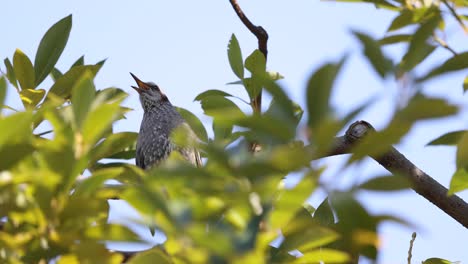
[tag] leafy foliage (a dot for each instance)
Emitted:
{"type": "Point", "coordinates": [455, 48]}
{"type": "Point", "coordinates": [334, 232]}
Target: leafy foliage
{"type": "Point", "coordinates": [54, 191]}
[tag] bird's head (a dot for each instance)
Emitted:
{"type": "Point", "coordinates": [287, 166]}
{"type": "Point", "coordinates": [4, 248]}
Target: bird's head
{"type": "Point", "coordinates": [150, 94]}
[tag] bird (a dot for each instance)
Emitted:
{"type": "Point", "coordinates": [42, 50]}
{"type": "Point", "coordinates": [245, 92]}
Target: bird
{"type": "Point", "coordinates": [160, 119]}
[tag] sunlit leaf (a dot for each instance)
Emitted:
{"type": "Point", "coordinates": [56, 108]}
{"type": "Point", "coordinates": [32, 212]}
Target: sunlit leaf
{"type": "Point", "coordinates": [381, 64]}
{"type": "Point", "coordinates": [459, 181]}
{"type": "Point", "coordinates": [31, 97]}
{"type": "Point", "coordinates": [235, 57]}
{"type": "Point", "coordinates": [98, 121]}
{"type": "Point", "coordinates": [386, 183]}
{"type": "Point", "coordinates": [15, 128]}
{"type": "Point", "coordinates": [195, 124]}
{"type": "Point", "coordinates": [256, 62]}
{"type": "Point", "coordinates": [448, 139]}
{"type": "Point", "coordinates": [438, 261]}
{"type": "Point", "coordinates": [323, 255]}
{"type": "Point", "coordinates": [51, 47]}
{"type": "Point", "coordinates": [83, 93]}
{"type": "Point", "coordinates": [24, 70]}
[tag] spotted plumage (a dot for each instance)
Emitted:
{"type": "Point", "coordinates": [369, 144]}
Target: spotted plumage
{"type": "Point", "coordinates": [160, 118]}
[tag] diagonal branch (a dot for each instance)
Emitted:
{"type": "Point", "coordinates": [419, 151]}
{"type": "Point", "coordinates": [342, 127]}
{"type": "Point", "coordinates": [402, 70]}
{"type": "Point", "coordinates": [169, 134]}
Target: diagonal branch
{"type": "Point", "coordinates": [397, 163]}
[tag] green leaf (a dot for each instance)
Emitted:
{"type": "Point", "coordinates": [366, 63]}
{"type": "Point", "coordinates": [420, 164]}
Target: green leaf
{"type": "Point", "coordinates": [112, 232]}
{"type": "Point", "coordinates": [319, 89]}
{"type": "Point", "coordinates": [195, 124]}
{"type": "Point", "coordinates": [10, 154]}
{"type": "Point", "coordinates": [421, 107]}
{"type": "Point", "coordinates": [465, 84]}
{"type": "Point", "coordinates": [291, 201]}
{"type": "Point", "coordinates": [408, 17]}
{"type": "Point", "coordinates": [220, 130]}
{"type": "Point", "coordinates": [235, 57]}
{"type": "Point", "coordinates": [83, 94]}
{"type": "Point", "coordinates": [24, 70]}
{"type": "Point", "coordinates": [55, 74]}
{"type": "Point", "coordinates": [88, 186]}
{"type": "Point", "coordinates": [3, 89]}
{"type": "Point", "coordinates": [31, 97]}
{"type": "Point", "coordinates": [219, 106]}
{"type": "Point", "coordinates": [448, 139]}
{"type": "Point", "coordinates": [10, 72]}
{"type": "Point", "coordinates": [437, 261]}
{"type": "Point", "coordinates": [418, 49]}
{"type": "Point", "coordinates": [63, 86]}
{"type": "Point", "coordinates": [51, 47]}
{"type": "Point", "coordinates": [381, 64]}
{"type": "Point", "coordinates": [455, 63]}
{"type": "Point", "coordinates": [154, 255]}
{"type": "Point", "coordinates": [323, 255]}
{"type": "Point", "coordinates": [459, 181]}
{"type": "Point", "coordinates": [462, 152]}
{"type": "Point", "coordinates": [16, 128]}
{"type": "Point", "coordinates": [114, 144]}
{"type": "Point", "coordinates": [376, 3]}
{"type": "Point", "coordinates": [213, 92]}
{"type": "Point", "coordinates": [386, 183]}
{"type": "Point", "coordinates": [98, 121]}
{"type": "Point", "coordinates": [256, 62]}
{"type": "Point", "coordinates": [395, 39]}
{"type": "Point", "coordinates": [324, 214]}
{"type": "Point", "coordinates": [404, 19]}
{"type": "Point", "coordinates": [78, 62]}
{"type": "Point", "coordinates": [15, 139]}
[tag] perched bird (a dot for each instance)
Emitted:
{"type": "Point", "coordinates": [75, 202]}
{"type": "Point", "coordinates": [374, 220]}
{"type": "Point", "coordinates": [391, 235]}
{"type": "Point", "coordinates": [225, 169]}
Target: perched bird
{"type": "Point", "coordinates": [160, 118]}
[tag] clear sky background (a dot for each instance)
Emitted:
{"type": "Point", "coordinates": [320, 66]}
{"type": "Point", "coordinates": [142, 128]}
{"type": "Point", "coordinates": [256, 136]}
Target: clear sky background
{"type": "Point", "coordinates": [181, 45]}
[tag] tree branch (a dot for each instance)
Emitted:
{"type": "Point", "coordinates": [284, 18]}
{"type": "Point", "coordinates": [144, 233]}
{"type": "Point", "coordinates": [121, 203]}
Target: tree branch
{"type": "Point", "coordinates": [262, 37]}
{"type": "Point", "coordinates": [410, 250]}
{"type": "Point", "coordinates": [397, 163]}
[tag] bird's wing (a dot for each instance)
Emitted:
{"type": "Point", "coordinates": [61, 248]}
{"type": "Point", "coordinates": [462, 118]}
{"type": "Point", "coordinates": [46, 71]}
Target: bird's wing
{"type": "Point", "coordinates": [139, 159]}
{"type": "Point", "coordinates": [198, 161]}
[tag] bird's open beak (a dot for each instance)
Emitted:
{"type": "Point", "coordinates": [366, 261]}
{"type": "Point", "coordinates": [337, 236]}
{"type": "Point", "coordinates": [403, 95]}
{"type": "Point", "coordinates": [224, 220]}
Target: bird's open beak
{"type": "Point", "coordinates": [142, 86]}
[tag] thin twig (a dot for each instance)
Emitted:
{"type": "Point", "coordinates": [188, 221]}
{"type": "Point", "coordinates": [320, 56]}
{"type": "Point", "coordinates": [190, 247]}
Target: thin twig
{"type": "Point", "coordinates": [444, 45]}
{"type": "Point", "coordinates": [397, 163]}
{"type": "Point", "coordinates": [410, 250]}
{"type": "Point", "coordinates": [457, 17]}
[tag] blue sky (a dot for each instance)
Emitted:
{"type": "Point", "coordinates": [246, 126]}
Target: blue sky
{"type": "Point", "coordinates": [181, 45]}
